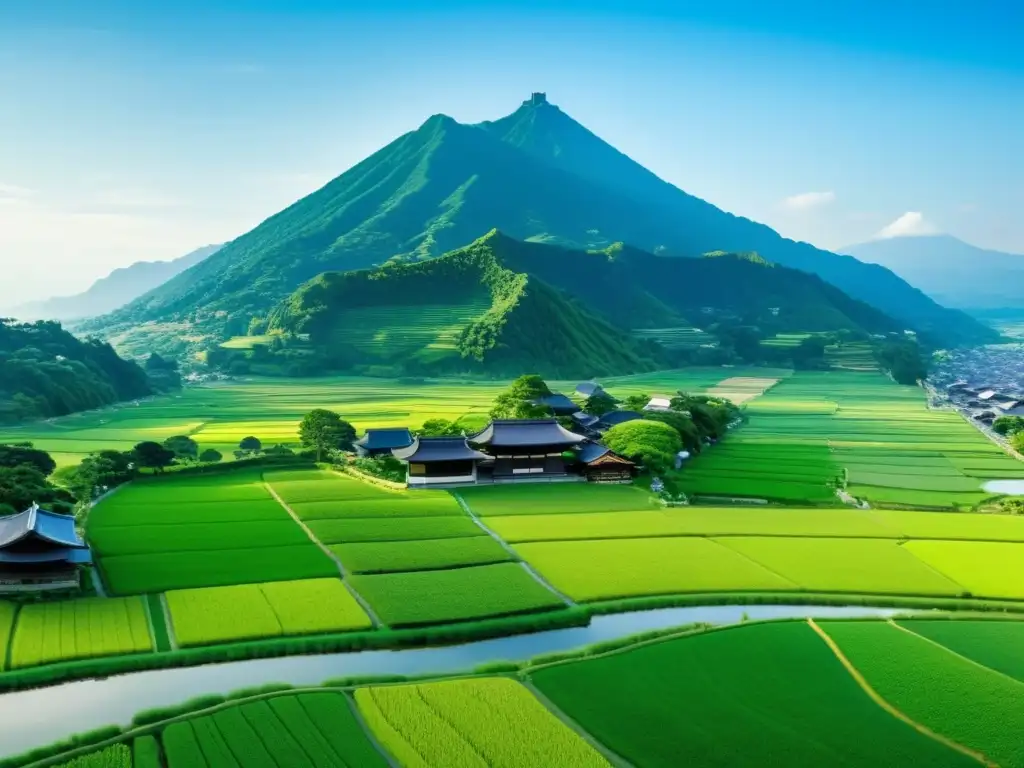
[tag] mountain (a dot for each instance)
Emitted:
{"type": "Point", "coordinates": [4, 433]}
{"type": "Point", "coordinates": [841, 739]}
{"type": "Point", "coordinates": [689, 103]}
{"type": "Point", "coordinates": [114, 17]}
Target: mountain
{"type": "Point", "coordinates": [951, 271]}
{"type": "Point", "coordinates": [45, 371]}
{"type": "Point", "coordinates": [113, 291]}
{"type": "Point", "coordinates": [502, 306]}
{"type": "Point", "coordinates": [536, 175]}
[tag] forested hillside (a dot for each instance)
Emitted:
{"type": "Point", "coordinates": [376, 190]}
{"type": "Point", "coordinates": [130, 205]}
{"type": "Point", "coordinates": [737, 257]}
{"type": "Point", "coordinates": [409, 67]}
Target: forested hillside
{"type": "Point", "coordinates": [537, 175]}
{"type": "Point", "coordinates": [45, 371]}
{"type": "Point", "coordinates": [502, 306]}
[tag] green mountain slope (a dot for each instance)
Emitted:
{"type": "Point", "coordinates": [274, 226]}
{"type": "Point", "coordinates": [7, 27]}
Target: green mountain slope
{"type": "Point", "coordinates": [45, 371]}
{"type": "Point", "coordinates": [501, 305]}
{"type": "Point", "coordinates": [464, 311]}
{"type": "Point", "coordinates": [536, 175]}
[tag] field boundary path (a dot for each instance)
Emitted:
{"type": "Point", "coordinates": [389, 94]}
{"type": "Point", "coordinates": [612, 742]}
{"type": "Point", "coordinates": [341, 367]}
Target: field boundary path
{"type": "Point", "coordinates": [515, 555]}
{"type": "Point", "coordinates": [172, 639]}
{"type": "Point", "coordinates": [370, 735]}
{"type": "Point", "coordinates": [898, 714]}
{"type": "Point", "coordinates": [612, 757]}
{"type": "Point", "coordinates": [374, 618]}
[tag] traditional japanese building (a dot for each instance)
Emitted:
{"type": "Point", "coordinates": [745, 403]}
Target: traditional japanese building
{"type": "Point", "coordinates": [614, 418]}
{"type": "Point", "coordinates": [40, 550]}
{"type": "Point", "coordinates": [526, 447]}
{"type": "Point", "coordinates": [559, 404]}
{"type": "Point", "coordinates": [440, 461]}
{"type": "Point", "coordinates": [600, 464]}
{"type": "Point", "coordinates": [381, 442]}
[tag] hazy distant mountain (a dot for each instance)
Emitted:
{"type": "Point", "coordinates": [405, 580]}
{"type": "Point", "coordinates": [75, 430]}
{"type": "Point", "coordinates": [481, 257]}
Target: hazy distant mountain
{"type": "Point", "coordinates": [113, 291]}
{"type": "Point", "coordinates": [951, 271]}
{"type": "Point", "coordinates": [536, 175]}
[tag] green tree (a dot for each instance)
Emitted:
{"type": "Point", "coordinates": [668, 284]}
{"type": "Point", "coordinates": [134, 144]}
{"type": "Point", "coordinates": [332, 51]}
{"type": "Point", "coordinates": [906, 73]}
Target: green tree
{"type": "Point", "coordinates": [211, 456]}
{"type": "Point", "coordinates": [152, 456]}
{"type": "Point", "coordinates": [636, 402]}
{"type": "Point", "coordinates": [16, 454]}
{"type": "Point", "coordinates": [809, 353]}
{"type": "Point", "coordinates": [105, 469]}
{"type": "Point", "coordinates": [250, 444]}
{"type": "Point", "coordinates": [1008, 425]}
{"type": "Point", "coordinates": [516, 402]}
{"type": "Point", "coordinates": [325, 431]}
{"type": "Point", "coordinates": [183, 447]}
{"type": "Point", "coordinates": [439, 428]}
{"type": "Point", "coordinates": [682, 424]}
{"type": "Point", "coordinates": [652, 443]}
{"type": "Point", "coordinates": [1017, 441]}
{"type": "Point", "coordinates": [599, 403]}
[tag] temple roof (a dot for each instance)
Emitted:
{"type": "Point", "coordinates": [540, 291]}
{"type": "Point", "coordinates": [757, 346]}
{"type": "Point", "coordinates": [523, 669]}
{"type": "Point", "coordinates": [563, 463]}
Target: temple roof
{"type": "Point", "coordinates": [585, 419]}
{"type": "Point", "coordinates": [513, 433]}
{"type": "Point", "coordinates": [385, 439]}
{"type": "Point", "coordinates": [558, 403]}
{"type": "Point", "coordinates": [590, 452]}
{"type": "Point", "coordinates": [38, 524]}
{"type": "Point", "coordinates": [589, 388]}
{"type": "Point", "coordinates": [426, 449]}
{"type": "Point", "coordinates": [612, 418]}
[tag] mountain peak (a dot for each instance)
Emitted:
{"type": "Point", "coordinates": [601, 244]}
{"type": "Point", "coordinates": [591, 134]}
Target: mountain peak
{"type": "Point", "coordinates": [536, 99]}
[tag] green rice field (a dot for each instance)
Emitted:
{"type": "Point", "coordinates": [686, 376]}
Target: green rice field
{"type": "Point", "coordinates": [78, 629]}
{"type": "Point", "coordinates": [246, 611]}
{"type": "Point", "coordinates": [487, 722]}
{"type": "Point", "coordinates": [420, 555]}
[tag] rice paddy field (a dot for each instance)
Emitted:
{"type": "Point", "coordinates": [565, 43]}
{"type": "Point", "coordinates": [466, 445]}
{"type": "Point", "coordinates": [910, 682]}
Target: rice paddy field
{"type": "Point", "coordinates": [814, 432]}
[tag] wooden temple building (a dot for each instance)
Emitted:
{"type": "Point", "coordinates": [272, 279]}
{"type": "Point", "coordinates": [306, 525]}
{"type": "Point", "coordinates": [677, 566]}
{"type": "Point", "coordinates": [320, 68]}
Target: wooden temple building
{"type": "Point", "coordinates": [40, 550]}
{"type": "Point", "coordinates": [512, 450]}
{"type": "Point", "coordinates": [381, 442]}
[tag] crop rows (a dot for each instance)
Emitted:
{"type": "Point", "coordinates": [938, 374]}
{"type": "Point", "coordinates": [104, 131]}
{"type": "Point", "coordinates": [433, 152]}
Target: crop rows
{"type": "Point", "coordinates": [555, 498]}
{"type": "Point", "coordinates": [486, 722]}
{"type": "Point", "coordinates": [116, 756]}
{"type": "Point", "coordinates": [225, 614]}
{"type": "Point", "coordinates": [431, 597]}
{"type": "Point", "coordinates": [308, 729]}
{"type": "Point", "coordinates": [420, 555]}
{"type": "Point", "coordinates": [8, 611]}
{"type": "Point", "coordinates": [78, 629]}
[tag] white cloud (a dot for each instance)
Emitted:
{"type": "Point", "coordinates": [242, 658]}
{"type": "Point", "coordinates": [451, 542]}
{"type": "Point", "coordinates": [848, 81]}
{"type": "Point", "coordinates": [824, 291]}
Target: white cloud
{"type": "Point", "coordinates": [13, 191]}
{"type": "Point", "coordinates": [806, 201]}
{"type": "Point", "coordinates": [910, 224]}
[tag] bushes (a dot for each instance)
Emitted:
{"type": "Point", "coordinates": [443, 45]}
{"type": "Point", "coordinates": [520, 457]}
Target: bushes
{"type": "Point", "coordinates": [383, 467]}
{"type": "Point", "coordinates": [652, 443]}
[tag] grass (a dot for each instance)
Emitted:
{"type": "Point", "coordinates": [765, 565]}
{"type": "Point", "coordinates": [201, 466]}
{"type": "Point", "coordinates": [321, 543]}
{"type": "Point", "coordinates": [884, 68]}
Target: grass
{"type": "Point", "coordinates": [185, 537]}
{"type": "Point", "coordinates": [153, 511]}
{"type": "Point", "coordinates": [226, 614]}
{"type": "Point", "coordinates": [765, 694]}
{"type": "Point", "coordinates": [420, 555]}
{"type": "Point", "coordinates": [486, 722]}
{"type": "Point", "coordinates": [986, 569]}
{"type": "Point", "coordinates": [79, 629]}
{"type": "Point", "coordinates": [428, 597]}
{"type": "Point", "coordinates": [994, 644]}
{"type": "Point", "coordinates": [8, 611]}
{"type": "Point", "coordinates": [974, 706]}
{"type": "Point", "coordinates": [393, 529]}
{"type": "Point", "coordinates": [316, 728]}
{"type": "Point", "coordinates": [139, 574]}
{"type": "Point", "coordinates": [555, 498]}
{"type": "Point", "coordinates": [393, 506]}
{"type": "Point", "coordinates": [116, 756]}
{"type": "Point", "coordinates": [870, 566]}
{"type": "Point", "coordinates": [597, 570]}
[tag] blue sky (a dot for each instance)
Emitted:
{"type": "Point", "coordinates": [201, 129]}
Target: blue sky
{"type": "Point", "coordinates": [140, 130]}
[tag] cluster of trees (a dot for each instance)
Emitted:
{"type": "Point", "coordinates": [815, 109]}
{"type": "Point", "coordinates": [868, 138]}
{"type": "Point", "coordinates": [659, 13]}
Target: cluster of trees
{"type": "Point", "coordinates": [1012, 428]}
{"type": "Point", "coordinates": [903, 360]}
{"type": "Point", "coordinates": [45, 371]}
{"type": "Point", "coordinates": [25, 479]}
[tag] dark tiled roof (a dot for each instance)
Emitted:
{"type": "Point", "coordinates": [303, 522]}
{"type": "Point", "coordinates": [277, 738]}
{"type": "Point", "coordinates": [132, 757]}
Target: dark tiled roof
{"type": "Point", "coordinates": [585, 419]}
{"type": "Point", "coordinates": [385, 439]}
{"type": "Point", "coordinates": [558, 403]}
{"type": "Point", "coordinates": [612, 418]}
{"type": "Point", "coordinates": [588, 388]}
{"type": "Point", "coordinates": [427, 449]}
{"type": "Point", "coordinates": [591, 451]}
{"type": "Point", "coordinates": [514, 433]}
{"type": "Point", "coordinates": [38, 524]}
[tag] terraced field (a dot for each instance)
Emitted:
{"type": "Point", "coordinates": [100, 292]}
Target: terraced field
{"type": "Point", "coordinates": [677, 338]}
{"type": "Point", "coordinates": [815, 431]}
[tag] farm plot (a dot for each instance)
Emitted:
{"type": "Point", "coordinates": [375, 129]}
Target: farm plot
{"type": "Point", "coordinates": [741, 389]}
{"type": "Point", "coordinates": [986, 569]}
{"type": "Point", "coordinates": [434, 597]}
{"type": "Point", "coordinates": [420, 555]}
{"type": "Point", "coordinates": [393, 506]}
{"type": "Point", "coordinates": [871, 566]}
{"type": "Point", "coordinates": [543, 498]}
{"type": "Point", "coordinates": [485, 722]}
{"type": "Point", "coordinates": [116, 756]}
{"type": "Point", "coordinates": [184, 537]}
{"type": "Point", "coordinates": [306, 730]}
{"type": "Point", "coordinates": [393, 529]}
{"type": "Point", "coordinates": [139, 574]}
{"type": "Point", "coordinates": [692, 521]}
{"type": "Point", "coordinates": [601, 570]}
{"type": "Point", "coordinates": [8, 611]}
{"type": "Point", "coordinates": [953, 525]}
{"type": "Point", "coordinates": [762, 694]}
{"type": "Point", "coordinates": [246, 611]}
{"type": "Point", "coordinates": [976, 707]}
{"type": "Point", "coordinates": [998, 645]}
{"type": "Point", "coordinates": [79, 629]}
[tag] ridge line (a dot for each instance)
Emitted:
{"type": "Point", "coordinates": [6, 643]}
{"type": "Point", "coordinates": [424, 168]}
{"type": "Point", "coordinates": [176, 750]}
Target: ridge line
{"type": "Point", "coordinates": [890, 708]}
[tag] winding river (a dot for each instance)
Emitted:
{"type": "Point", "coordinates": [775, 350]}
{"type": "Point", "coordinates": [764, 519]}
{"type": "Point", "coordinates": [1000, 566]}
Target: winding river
{"type": "Point", "coordinates": [39, 716]}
